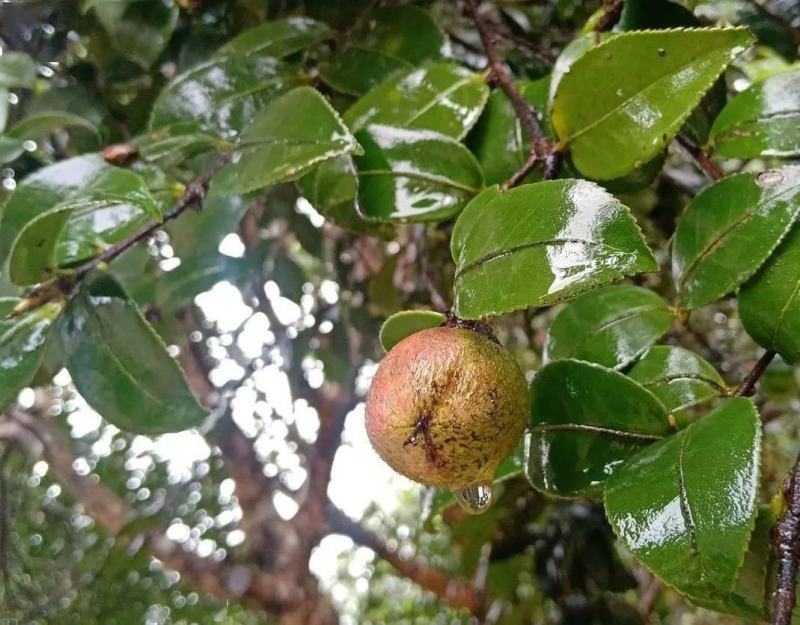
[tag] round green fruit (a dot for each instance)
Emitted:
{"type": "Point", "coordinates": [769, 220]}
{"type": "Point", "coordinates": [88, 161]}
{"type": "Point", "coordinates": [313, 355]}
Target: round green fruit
{"type": "Point", "coordinates": [446, 406]}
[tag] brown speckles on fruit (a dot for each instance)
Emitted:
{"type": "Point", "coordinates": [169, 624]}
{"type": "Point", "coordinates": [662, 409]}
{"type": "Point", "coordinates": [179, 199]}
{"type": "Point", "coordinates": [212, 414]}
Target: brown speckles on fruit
{"type": "Point", "coordinates": [446, 406]}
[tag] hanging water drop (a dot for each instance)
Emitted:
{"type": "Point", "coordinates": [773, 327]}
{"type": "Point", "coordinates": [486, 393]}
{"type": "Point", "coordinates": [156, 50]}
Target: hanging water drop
{"type": "Point", "coordinates": [474, 499]}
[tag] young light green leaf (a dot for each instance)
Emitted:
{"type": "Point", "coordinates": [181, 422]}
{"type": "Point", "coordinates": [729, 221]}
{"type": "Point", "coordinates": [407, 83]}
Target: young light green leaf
{"type": "Point", "coordinates": [611, 326]}
{"type": "Point", "coordinates": [402, 324]}
{"type": "Point", "coordinates": [729, 230]}
{"type": "Point", "coordinates": [764, 120]}
{"type": "Point", "coordinates": [652, 80]}
{"type": "Point", "coordinates": [678, 377]}
{"type": "Point", "coordinates": [10, 149]}
{"type": "Point", "coordinates": [285, 140]}
{"type": "Point", "coordinates": [414, 175]}
{"type": "Point", "coordinates": [443, 97]}
{"type": "Point", "coordinates": [278, 38]}
{"type": "Point", "coordinates": [17, 69]}
{"type": "Point", "coordinates": [586, 420]}
{"type": "Point", "coordinates": [121, 367]}
{"type": "Point", "coordinates": [22, 345]}
{"type": "Point", "coordinates": [769, 303]}
{"type": "Point", "coordinates": [224, 94]}
{"type": "Point", "coordinates": [686, 506]}
{"type": "Point", "coordinates": [540, 244]}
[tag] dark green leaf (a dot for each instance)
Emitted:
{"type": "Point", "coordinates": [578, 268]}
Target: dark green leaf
{"type": "Point", "coordinates": [652, 80]}
{"type": "Point", "coordinates": [611, 326]}
{"type": "Point", "coordinates": [498, 140]}
{"type": "Point", "coordinates": [403, 32]}
{"type": "Point", "coordinates": [42, 124]}
{"type": "Point", "coordinates": [729, 230]}
{"type": "Point", "coordinates": [196, 273]}
{"type": "Point", "coordinates": [654, 14]}
{"type": "Point", "coordinates": [22, 344]}
{"type": "Point", "coordinates": [121, 367]}
{"type": "Point", "coordinates": [402, 324]}
{"type": "Point", "coordinates": [769, 304]}
{"type": "Point", "coordinates": [356, 70]}
{"type": "Point", "coordinates": [17, 70]}
{"type": "Point", "coordinates": [540, 244]}
{"type": "Point", "coordinates": [285, 140]}
{"type": "Point", "coordinates": [224, 94]}
{"type": "Point", "coordinates": [678, 377]}
{"type": "Point", "coordinates": [764, 120]}
{"type": "Point", "coordinates": [138, 30]}
{"type": "Point", "coordinates": [586, 420]}
{"type": "Point", "coordinates": [687, 505]}
{"type": "Point", "coordinates": [414, 175]}
{"type": "Point", "coordinates": [443, 97]}
{"type": "Point", "coordinates": [278, 38]}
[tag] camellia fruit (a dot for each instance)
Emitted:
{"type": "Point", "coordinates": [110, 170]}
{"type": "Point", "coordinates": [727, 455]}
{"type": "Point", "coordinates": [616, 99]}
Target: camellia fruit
{"type": "Point", "coordinates": [445, 407]}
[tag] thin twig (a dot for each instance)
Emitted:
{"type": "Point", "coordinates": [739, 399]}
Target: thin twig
{"type": "Point", "coordinates": [612, 11]}
{"type": "Point", "coordinates": [540, 149]}
{"type": "Point", "coordinates": [748, 385]}
{"type": "Point", "coordinates": [786, 544]}
{"type": "Point", "coordinates": [700, 157]}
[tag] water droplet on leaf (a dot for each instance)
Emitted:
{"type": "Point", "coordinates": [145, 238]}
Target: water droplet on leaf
{"type": "Point", "coordinates": [474, 499]}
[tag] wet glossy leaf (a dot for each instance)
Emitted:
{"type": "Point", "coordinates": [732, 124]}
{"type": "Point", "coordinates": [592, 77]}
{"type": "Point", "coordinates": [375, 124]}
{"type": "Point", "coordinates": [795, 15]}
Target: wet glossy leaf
{"type": "Point", "coordinates": [652, 80]}
{"type": "Point", "coordinates": [769, 303]}
{"type": "Point", "coordinates": [17, 70]}
{"type": "Point", "coordinates": [278, 38]}
{"type": "Point", "coordinates": [121, 367]}
{"type": "Point", "coordinates": [764, 120]}
{"type": "Point", "coordinates": [41, 191]}
{"type": "Point", "coordinates": [403, 32]}
{"type": "Point", "coordinates": [22, 345]}
{"type": "Point", "coordinates": [586, 420]}
{"type": "Point", "coordinates": [285, 140]}
{"type": "Point", "coordinates": [42, 124]}
{"type": "Point", "coordinates": [115, 204]}
{"type": "Point", "coordinates": [356, 70]}
{"type": "Point", "coordinates": [138, 30]}
{"type": "Point", "coordinates": [729, 230]}
{"type": "Point", "coordinates": [443, 97]}
{"type": "Point", "coordinates": [414, 175]}
{"type": "Point", "coordinates": [498, 140]}
{"type": "Point", "coordinates": [171, 145]}
{"type": "Point", "coordinates": [540, 244]}
{"type": "Point", "coordinates": [402, 324]}
{"type": "Point", "coordinates": [224, 94]}
{"type": "Point", "coordinates": [686, 506]}
{"type": "Point", "coordinates": [678, 377]}
{"type": "Point", "coordinates": [611, 326]}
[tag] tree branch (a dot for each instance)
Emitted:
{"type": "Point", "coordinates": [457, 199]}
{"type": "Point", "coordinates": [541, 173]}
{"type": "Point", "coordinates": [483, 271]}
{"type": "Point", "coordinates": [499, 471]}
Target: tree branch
{"type": "Point", "coordinates": [455, 592]}
{"type": "Point", "coordinates": [539, 147]}
{"type": "Point", "coordinates": [747, 388]}
{"type": "Point", "coordinates": [786, 545]}
{"type": "Point", "coordinates": [700, 157]}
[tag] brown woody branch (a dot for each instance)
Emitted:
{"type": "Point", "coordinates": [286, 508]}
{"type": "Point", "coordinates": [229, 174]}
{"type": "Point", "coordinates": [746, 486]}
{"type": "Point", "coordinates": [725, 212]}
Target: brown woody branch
{"type": "Point", "coordinates": [786, 546]}
{"type": "Point", "coordinates": [458, 593]}
{"type": "Point", "coordinates": [700, 157]}
{"type": "Point", "coordinates": [540, 149]}
{"type": "Point", "coordinates": [612, 11]}
{"type": "Point", "coordinates": [747, 388]}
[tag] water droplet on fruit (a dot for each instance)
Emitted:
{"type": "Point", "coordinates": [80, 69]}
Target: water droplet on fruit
{"type": "Point", "coordinates": [474, 499]}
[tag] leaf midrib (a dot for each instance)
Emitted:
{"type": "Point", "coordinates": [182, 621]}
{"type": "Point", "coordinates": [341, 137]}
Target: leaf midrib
{"type": "Point", "coordinates": [432, 178]}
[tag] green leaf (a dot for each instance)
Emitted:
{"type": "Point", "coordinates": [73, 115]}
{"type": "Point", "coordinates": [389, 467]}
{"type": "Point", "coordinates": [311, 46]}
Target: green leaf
{"type": "Point", "coordinates": [3, 108]}
{"type": "Point", "coordinates": [196, 273]}
{"type": "Point", "coordinates": [285, 140]}
{"type": "Point", "coordinates": [611, 326]}
{"type": "Point", "coordinates": [121, 367]}
{"type": "Point", "coordinates": [42, 124]}
{"type": "Point", "coordinates": [540, 244]}
{"type": "Point", "coordinates": [652, 80]}
{"type": "Point", "coordinates": [586, 420]}
{"type": "Point", "coordinates": [172, 145]}
{"type": "Point", "coordinates": [443, 97]}
{"type": "Point", "coordinates": [41, 191]}
{"type": "Point", "coordinates": [498, 141]}
{"type": "Point", "coordinates": [414, 175]}
{"type": "Point", "coordinates": [22, 345]}
{"type": "Point", "coordinates": [17, 70]}
{"type": "Point", "coordinates": [140, 31]}
{"type": "Point", "coordinates": [402, 324]}
{"type": "Point", "coordinates": [10, 149]}
{"type": "Point", "coordinates": [769, 305]}
{"type": "Point", "coordinates": [115, 205]}
{"type": "Point", "coordinates": [224, 94]}
{"type": "Point", "coordinates": [729, 230]}
{"type": "Point", "coordinates": [403, 32]}
{"type": "Point", "coordinates": [764, 120]}
{"type": "Point", "coordinates": [278, 38]}
{"type": "Point", "coordinates": [355, 70]}
{"type": "Point", "coordinates": [678, 377]}
{"type": "Point", "coordinates": [655, 14]}
{"type": "Point", "coordinates": [686, 506]}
